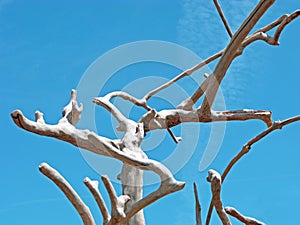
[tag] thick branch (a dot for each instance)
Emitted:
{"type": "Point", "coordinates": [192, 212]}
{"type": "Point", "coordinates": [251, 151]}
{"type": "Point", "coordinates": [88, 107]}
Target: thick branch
{"type": "Point", "coordinates": [63, 131]}
{"type": "Point", "coordinates": [215, 179]}
{"type": "Point", "coordinates": [230, 51]}
{"type": "Point", "coordinates": [244, 219]}
{"type": "Point", "coordinates": [169, 118]}
{"type": "Point", "coordinates": [70, 193]}
{"type": "Point", "coordinates": [93, 187]}
{"type": "Point", "coordinates": [197, 206]}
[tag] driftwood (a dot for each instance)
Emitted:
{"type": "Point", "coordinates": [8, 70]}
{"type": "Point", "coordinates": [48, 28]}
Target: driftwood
{"type": "Point", "coordinates": [128, 207]}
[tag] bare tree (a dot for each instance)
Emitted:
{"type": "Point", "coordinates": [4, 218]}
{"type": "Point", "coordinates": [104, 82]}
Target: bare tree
{"type": "Point", "coordinates": [128, 207]}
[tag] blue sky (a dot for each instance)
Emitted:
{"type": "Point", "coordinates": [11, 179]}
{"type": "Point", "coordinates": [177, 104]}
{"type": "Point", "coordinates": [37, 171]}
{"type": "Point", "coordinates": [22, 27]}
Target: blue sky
{"type": "Point", "coordinates": [46, 47]}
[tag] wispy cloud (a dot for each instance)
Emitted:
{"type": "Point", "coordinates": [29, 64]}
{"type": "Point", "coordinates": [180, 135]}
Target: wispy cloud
{"type": "Point", "coordinates": [201, 30]}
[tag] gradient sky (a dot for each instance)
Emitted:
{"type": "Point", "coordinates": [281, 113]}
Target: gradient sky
{"type": "Point", "coordinates": [46, 47]}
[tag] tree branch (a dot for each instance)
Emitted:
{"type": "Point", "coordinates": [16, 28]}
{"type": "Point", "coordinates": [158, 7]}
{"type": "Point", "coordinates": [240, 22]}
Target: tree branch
{"type": "Point", "coordinates": [128, 97]}
{"type": "Point", "coordinates": [230, 51]}
{"type": "Point", "coordinates": [215, 179]}
{"type": "Point", "coordinates": [219, 9]}
{"type": "Point", "coordinates": [244, 219]}
{"type": "Point", "coordinates": [93, 187]}
{"type": "Point", "coordinates": [186, 73]}
{"type": "Point", "coordinates": [169, 118]}
{"type": "Point", "coordinates": [117, 203]}
{"type": "Point", "coordinates": [246, 148]}
{"type": "Point", "coordinates": [70, 193]}
{"type": "Point", "coordinates": [197, 206]}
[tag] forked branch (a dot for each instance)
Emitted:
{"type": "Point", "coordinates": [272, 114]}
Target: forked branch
{"type": "Point", "coordinates": [246, 148]}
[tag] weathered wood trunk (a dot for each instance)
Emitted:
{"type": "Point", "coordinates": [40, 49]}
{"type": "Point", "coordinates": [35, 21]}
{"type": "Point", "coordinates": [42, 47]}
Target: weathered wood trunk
{"type": "Point", "coordinates": [132, 183]}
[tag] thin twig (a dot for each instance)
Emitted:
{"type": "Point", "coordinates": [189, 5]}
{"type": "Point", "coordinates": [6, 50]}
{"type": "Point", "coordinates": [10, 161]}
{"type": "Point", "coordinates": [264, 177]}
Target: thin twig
{"type": "Point", "coordinates": [219, 9]}
{"type": "Point", "coordinates": [187, 72]}
{"type": "Point", "coordinates": [197, 206]}
{"type": "Point", "coordinates": [246, 149]}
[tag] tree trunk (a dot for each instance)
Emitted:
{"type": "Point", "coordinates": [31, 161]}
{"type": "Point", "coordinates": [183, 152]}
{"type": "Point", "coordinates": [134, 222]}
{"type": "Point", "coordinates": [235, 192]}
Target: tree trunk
{"type": "Point", "coordinates": [132, 183]}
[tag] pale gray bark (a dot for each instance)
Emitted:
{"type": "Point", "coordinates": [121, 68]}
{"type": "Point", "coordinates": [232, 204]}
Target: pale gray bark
{"type": "Point", "coordinates": [127, 209]}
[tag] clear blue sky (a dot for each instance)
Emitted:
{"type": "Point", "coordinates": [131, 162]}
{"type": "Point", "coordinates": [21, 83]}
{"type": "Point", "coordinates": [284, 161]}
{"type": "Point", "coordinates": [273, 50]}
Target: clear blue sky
{"type": "Point", "coordinates": [45, 48]}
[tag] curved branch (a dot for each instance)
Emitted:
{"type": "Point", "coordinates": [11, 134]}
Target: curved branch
{"type": "Point", "coordinates": [105, 103]}
{"type": "Point", "coordinates": [70, 193]}
{"type": "Point", "coordinates": [246, 148]}
{"type": "Point", "coordinates": [215, 179]}
{"type": "Point", "coordinates": [244, 219]}
{"type": "Point", "coordinates": [128, 97]}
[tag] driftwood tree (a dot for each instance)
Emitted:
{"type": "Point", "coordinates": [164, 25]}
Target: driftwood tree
{"type": "Point", "coordinates": [128, 207]}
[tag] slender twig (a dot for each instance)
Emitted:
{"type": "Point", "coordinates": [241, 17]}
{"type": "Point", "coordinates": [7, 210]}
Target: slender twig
{"type": "Point", "coordinates": [187, 72]}
{"type": "Point", "coordinates": [286, 21]}
{"type": "Point", "coordinates": [70, 193]}
{"type": "Point", "coordinates": [244, 219]}
{"type": "Point", "coordinates": [246, 148]}
{"type": "Point", "coordinates": [93, 187]}
{"type": "Point", "coordinates": [197, 206]}
{"type": "Point", "coordinates": [219, 9]}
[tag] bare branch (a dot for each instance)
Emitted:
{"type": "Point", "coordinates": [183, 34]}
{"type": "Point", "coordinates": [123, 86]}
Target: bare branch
{"type": "Point", "coordinates": [230, 52]}
{"type": "Point", "coordinates": [72, 112]}
{"type": "Point", "coordinates": [70, 193]}
{"type": "Point", "coordinates": [117, 203]}
{"type": "Point", "coordinates": [244, 219]}
{"type": "Point", "coordinates": [169, 118]}
{"type": "Point", "coordinates": [93, 187]}
{"type": "Point", "coordinates": [188, 72]}
{"type": "Point", "coordinates": [62, 131]}
{"type": "Point", "coordinates": [246, 148]}
{"type": "Point", "coordinates": [283, 24]}
{"type": "Point", "coordinates": [128, 97]}
{"type": "Point", "coordinates": [197, 206]}
{"type": "Point", "coordinates": [105, 103]}
{"type": "Point", "coordinates": [219, 9]}
{"type": "Point", "coordinates": [175, 139]}
{"type": "Point", "coordinates": [215, 179]}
